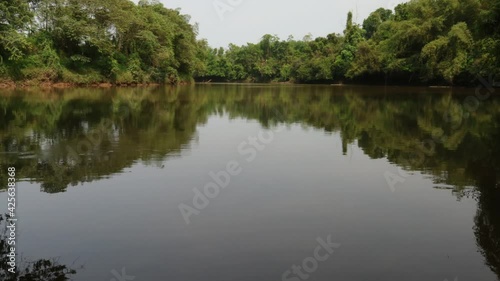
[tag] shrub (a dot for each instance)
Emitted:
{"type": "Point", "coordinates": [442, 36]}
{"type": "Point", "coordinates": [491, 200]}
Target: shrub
{"type": "Point", "coordinates": [40, 74]}
{"type": "Point", "coordinates": [90, 77]}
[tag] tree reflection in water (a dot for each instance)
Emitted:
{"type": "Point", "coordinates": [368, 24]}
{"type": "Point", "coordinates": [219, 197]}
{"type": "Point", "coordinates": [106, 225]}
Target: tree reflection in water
{"type": "Point", "coordinates": [153, 124]}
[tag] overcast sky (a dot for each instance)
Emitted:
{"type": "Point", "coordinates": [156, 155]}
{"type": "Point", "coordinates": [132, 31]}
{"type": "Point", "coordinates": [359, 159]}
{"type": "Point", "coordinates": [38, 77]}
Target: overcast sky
{"type": "Point", "coordinates": [242, 21]}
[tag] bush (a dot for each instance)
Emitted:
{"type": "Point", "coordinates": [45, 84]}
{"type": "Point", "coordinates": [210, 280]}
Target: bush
{"type": "Point", "coordinates": [124, 77]}
{"type": "Point", "coordinates": [134, 67]}
{"type": "Point", "coordinates": [90, 77]}
{"type": "Point", "coordinates": [40, 74]}
{"type": "Point", "coordinates": [4, 72]}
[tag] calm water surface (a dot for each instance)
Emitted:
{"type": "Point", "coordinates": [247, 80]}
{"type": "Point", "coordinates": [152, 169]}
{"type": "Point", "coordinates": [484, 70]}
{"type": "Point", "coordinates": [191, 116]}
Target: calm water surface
{"type": "Point", "coordinates": [102, 174]}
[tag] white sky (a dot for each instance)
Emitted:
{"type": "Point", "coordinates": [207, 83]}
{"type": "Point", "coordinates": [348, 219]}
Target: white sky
{"type": "Point", "coordinates": [249, 20]}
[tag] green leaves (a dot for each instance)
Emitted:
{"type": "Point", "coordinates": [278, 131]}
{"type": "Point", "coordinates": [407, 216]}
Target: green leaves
{"type": "Point", "coordinates": [14, 15]}
{"type": "Point", "coordinates": [371, 24]}
{"type": "Point", "coordinates": [448, 56]}
{"type": "Point", "coordinates": [14, 45]}
{"type": "Point", "coordinates": [422, 41]}
{"type": "Point", "coordinates": [367, 60]}
{"type": "Point", "coordinates": [116, 38]}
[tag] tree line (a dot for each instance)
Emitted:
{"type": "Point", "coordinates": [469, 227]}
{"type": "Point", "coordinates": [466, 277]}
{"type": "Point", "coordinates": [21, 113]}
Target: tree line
{"type": "Point", "coordinates": [420, 42]}
{"type": "Point", "coordinates": [90, 41]}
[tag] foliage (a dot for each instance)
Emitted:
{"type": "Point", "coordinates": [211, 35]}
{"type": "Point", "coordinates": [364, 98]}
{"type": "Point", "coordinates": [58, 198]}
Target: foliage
{"type": "Point", "coordinates": [91, 41]}
{"type": "Point", "coordinates": [421, 41]}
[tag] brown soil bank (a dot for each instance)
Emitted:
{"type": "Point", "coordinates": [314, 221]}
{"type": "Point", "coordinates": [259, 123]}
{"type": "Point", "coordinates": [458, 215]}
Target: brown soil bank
{"type": "Point", "coordinates": [7, 85]}
{"type": "Point", "coordinates": [64, 85]}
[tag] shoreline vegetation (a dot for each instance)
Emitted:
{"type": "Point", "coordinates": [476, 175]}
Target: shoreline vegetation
{"type": "Point", "coordinates": [10, 85]}
{"type": "Point", "coordinates": [70, 43]}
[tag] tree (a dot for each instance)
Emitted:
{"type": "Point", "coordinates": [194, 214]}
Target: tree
{"type": "Point", "coordinates": [353, 35]}
{"type": "Point", "coordinates": [15, 16]}
{"type": "Point", "coordinates": [371, 24]}
{"type": "Point", "coordinates": [448, 56]}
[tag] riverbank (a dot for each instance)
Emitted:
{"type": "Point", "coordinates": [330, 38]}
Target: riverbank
{"type": "Point", "coordinates": [11, 85]}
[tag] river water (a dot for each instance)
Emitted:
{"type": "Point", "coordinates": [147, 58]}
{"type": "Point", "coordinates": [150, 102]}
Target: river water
{"type": "Point", "coordinates": [256, 182]}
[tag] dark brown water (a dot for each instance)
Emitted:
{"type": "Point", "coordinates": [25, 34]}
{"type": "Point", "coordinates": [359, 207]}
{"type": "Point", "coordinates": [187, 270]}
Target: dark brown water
{"type": "Point", "coordinates": [248, 182]}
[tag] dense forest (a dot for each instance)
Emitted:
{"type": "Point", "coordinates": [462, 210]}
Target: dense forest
{"type": "Point", "coordinates": [430, 42]}
{"type": "Point", "coordinates": [92, 41]}
{"type": "Point", "coordinates": [420, 42]}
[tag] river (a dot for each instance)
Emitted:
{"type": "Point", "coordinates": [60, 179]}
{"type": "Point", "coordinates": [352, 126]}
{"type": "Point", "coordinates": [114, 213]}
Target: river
{"type": "Point", "coordinates": [256, 182]}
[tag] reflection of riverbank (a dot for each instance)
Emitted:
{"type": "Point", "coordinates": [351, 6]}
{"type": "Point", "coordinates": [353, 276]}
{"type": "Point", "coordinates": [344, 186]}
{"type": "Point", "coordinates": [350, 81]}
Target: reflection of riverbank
{"type": "Point", "coordinates": [487, 219]}
{"type": "Point", "coordinates": [10, 85]}
{"type": "Point", "coordinates": [385, 122]}
{"type": "Point", "coordinates": [487, 229]}
{"type": "Point", "coordinates": [62, 138]}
